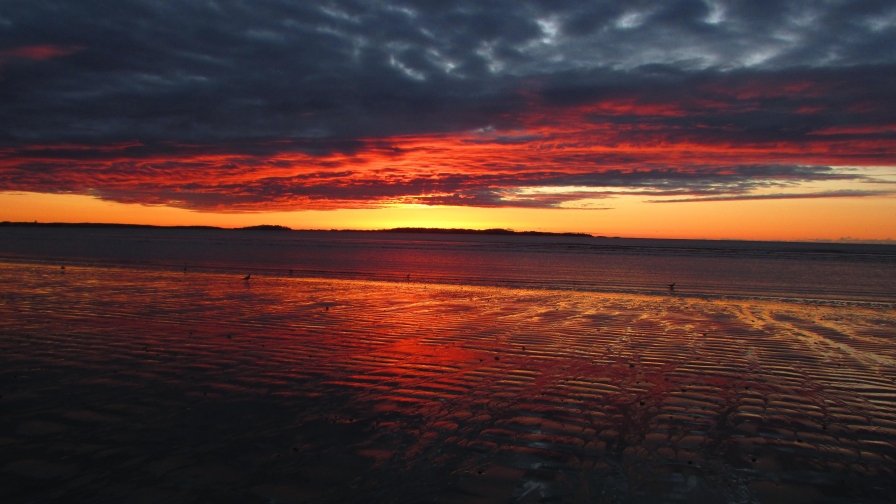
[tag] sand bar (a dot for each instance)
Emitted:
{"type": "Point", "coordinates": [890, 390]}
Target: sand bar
{"type": "Point", "coordinates": [132, 385]}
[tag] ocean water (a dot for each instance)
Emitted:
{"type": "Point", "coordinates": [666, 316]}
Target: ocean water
{"type": "Point", "coordinates": [775, 270]}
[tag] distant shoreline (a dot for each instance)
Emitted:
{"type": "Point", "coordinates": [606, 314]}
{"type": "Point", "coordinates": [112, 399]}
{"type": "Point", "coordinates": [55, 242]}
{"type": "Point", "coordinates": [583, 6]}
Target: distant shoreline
{"type": "Point", "coordinates": [421, 230]}
{"type": "Point", "coordinates": [271, 227]}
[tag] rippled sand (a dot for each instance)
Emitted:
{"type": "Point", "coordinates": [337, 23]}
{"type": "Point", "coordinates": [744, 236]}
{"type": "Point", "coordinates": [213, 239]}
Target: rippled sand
{"type": "Point", "coordinates": [128, 385]}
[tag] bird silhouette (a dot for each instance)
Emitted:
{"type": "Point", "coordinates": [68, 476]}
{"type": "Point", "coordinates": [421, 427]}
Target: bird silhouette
{"type": "Point", "coordinates": [246, 278]}
{"type": "Point", "coordinates": [409, 277]}
{"type": "Point", "coordinates": [672, 286]}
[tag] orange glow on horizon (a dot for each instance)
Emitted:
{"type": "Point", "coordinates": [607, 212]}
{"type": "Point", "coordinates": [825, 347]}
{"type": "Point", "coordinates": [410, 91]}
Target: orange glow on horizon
{"type": "Point", "coordinates": [590, 168]}
{"type": "Point", "coordinates": [630, 216]}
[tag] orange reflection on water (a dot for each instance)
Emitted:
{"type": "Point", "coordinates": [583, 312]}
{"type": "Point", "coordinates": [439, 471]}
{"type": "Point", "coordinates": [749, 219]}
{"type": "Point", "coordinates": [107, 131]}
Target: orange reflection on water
{"type": "Point", "coordinates": [291, 389]}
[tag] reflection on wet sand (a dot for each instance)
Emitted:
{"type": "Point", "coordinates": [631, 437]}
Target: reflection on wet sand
{"type": "Point", "coordinates": [142, 385]}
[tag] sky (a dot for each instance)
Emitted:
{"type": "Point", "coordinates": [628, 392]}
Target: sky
{"type": "Point", "coordinates": [690, 119]}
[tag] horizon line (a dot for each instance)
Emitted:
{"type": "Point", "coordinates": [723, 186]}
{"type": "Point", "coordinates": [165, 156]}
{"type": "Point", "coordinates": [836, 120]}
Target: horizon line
{"type": "Point", "coordinates": [424, 230]}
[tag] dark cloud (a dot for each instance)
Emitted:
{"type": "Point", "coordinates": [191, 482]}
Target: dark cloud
{"type": "Point", "coordinates": [813, 195]}
{"type": "Point", "coordinates": [238, 104]}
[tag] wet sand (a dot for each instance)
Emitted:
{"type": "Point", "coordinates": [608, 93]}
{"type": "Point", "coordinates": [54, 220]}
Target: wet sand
{"type": "Point", "coordinates": [129, 385]}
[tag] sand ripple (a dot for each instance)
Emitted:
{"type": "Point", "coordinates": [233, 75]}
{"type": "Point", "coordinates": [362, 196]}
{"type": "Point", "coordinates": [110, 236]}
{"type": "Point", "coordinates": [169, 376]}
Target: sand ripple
{"type": "Point", "coordinates": [130, 385]}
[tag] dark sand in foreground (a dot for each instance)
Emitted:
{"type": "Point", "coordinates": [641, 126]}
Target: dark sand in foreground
{"type": "Point", "coordinates": [127, 385]}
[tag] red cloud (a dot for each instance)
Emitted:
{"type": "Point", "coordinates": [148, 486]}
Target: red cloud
{"type": "Point", "coordinates": [36, 52]}
{"type": "Point", "coordinates": [677, 143]}
{"type": "Point", "coordinates": [476, 169]}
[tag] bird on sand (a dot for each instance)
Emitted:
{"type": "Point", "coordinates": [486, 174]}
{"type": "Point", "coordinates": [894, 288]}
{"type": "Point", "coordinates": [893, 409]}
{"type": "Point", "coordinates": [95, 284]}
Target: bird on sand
{"type": "Point", "coordinates": [409, 277]}
{"type": "Point", "coordinates": [672, 286]}
{"type": "Point", "coordinates": [247, 277]}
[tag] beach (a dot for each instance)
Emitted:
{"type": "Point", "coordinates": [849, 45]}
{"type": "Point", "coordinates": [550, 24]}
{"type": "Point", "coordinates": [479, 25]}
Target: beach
{"type": "Point", "coordinates": [139, 384]}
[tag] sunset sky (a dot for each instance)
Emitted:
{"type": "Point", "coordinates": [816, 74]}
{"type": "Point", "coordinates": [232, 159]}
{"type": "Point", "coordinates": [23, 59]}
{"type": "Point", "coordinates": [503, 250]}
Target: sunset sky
{"type": "Point", "coordinates": [691, 119]}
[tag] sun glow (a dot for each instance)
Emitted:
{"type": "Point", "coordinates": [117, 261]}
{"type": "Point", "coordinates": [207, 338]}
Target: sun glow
{"type": "Point", "coordinates": [628, 215]}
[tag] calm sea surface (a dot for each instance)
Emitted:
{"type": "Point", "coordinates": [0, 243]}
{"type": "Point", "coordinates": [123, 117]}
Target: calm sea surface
{"type": "Point", "coordinates": [812, 271]}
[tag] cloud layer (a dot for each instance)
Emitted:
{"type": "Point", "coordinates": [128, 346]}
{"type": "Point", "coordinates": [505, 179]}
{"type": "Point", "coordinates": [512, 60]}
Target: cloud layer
{"type": "Point", "coordinates": [244, 106]}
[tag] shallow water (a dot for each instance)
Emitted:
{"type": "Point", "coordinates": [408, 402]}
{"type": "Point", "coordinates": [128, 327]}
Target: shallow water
{"type": "Point", "coordinates": [767, 270]}
{"type": "Point", "coordinates": [135, 384]}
